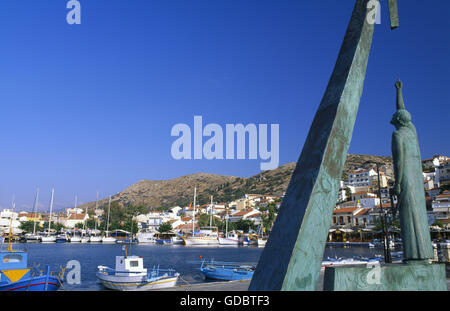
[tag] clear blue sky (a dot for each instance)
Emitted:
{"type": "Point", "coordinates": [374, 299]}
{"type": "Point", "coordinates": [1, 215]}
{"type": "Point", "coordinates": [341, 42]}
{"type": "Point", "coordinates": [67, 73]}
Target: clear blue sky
{"type": "Point", "coordinates": [90, 107]}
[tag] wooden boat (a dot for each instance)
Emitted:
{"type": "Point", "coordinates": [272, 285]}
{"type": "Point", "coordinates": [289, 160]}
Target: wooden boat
{"type": "Point", "coordinates": [15, 275]}
{"type": "Point", "coordinates": [130, 275]}
{"type": "Point", "coordinates": [227, 271]}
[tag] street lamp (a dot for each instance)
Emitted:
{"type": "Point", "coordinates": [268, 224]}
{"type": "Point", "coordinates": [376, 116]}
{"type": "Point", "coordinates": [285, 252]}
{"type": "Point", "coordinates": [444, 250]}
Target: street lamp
{"type": "Point", "coordinates": [383, 216]}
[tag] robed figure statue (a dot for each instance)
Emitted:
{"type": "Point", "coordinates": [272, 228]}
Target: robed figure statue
{"type": "Point", "coordinates": [408, 186]}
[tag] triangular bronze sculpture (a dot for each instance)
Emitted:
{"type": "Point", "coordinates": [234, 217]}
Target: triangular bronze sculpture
{"type": "Point", "coordinates": [292, 257]}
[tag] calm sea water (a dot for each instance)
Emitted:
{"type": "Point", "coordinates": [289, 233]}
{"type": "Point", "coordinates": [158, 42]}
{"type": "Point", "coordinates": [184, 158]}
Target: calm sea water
{"type": "Point", "coordinates": [184, 259]}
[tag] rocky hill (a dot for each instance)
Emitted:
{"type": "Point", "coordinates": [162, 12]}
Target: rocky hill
{"type": "Point", "coordinates": [180, 191]}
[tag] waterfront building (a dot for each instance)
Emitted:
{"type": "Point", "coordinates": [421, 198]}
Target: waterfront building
{"type": "Point", "coordinates": [9, 218]}
{"type": "Point", "coordinates": [441, 208]}
{"type": "Point", "coordinates": [443, 173]}
{"type": "Point", "coordinates": [73, 219]}
{"type": "Point", "coordinates": [249, 214]}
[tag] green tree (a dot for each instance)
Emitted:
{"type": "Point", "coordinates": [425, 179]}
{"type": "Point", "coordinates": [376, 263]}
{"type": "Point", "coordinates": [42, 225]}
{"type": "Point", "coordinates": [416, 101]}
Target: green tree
{"type": "Point", "coordinates": [165, 227]}
{"type": "Point", "coordinates": [131, 226]}
{"type": "Point", "coordinates": [28, 226]}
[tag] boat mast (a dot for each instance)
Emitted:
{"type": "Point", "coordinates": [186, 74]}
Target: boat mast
{"type": "Point", "coordinates": [193, 217]}
{"type": "Point", "coordinates": [210, 212]}
{"type": "Point", "coordinates": [76, 212]}
{"type": "Point", "coordinates": [107, 222]}
{"type": "Point", "coordinates": [50, 215]}
{"type": "Point", "coordinates": [226, 222]}
{"type": "Point", "coordinates": [10, 227]}
{"type": "Point", "coordinates": [96, 207]}
{"type": "Point", "coordinates": [35, 210]}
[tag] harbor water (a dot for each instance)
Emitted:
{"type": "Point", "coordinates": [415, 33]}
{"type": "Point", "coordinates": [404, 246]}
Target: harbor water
{"type": "Point", "coordinates": [184, 259]}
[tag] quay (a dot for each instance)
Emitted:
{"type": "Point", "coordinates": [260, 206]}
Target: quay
{"type": "Point", "coordinates": [240, 285]}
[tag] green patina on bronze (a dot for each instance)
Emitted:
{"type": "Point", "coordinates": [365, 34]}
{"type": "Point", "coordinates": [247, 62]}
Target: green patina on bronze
{"type": "Point", "coordinates": [292, 257]}
{"type": "Point", "coordinates": [408, 187]}
{"type": "Point", "coordinates": [416, 273]}
{"type": "Point", "coordinates": [293, 254]}
{"type": "Point", "coordinates": [390, 277]}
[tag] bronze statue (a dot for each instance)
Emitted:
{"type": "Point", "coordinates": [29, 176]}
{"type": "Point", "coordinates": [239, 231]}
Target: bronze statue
{"type": "Point", "coordinates": [408, 186]}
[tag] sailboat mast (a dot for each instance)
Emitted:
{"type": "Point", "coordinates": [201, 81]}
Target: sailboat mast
{"type": "Point", "coordinates": [226, 222]}
{"type": "Point", "coordinates": [96, 207]}
{"type": "Point", "coordinates": [50, 215]}
{"type": "Point", "coordinates": [193, 217]}
{"type": "Point", "coordinates": [35, 210]}
{"type": "Point", "coordinates": [210, 212]}
{"type": "Point", "coordinates": [10, 227]}
{"type": "Point", "coordinates": [107, 222]}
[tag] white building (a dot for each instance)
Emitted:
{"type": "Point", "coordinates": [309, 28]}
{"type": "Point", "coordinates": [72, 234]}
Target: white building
{"type": "Point", "coordinates": [8, 219]}
{"type": "Point", "coordinates": [245, 214]}
{"type": "Point", "coordinates": [443, 172]}
{"type": "Point", "coordinates": [441, 207]}
{"type": "Point", "coordinates": [361, 177]}
{"type": "Point", "coordinates": [74, 219]}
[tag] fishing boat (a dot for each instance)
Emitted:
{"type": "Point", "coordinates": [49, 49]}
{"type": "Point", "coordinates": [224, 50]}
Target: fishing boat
{"type": "Point", "coordinates": [95, 238]}
{"type": "Point", "coordinates": [15, 275]}
{"type": "Point", "coordinates": [130, 275]}
{"type": "Point", "coordinates": [248, 240]}
{"type": "Point", "coordinates": [232, 238]}
{"type": "Point", "coordinates": [146, 238]}
{"type": "Point", "coordinates": [227, 271]}
{"type": "Point", "coordinates": [107, 239]}
{"type": "Point", "coordinates": [261, 240]}
{"type": "Point", "coordinates": [177, 240]}
{"type": "Point", "coordinates": [49, 238]}
{"type": "Point", "coordinates": [62, 238]}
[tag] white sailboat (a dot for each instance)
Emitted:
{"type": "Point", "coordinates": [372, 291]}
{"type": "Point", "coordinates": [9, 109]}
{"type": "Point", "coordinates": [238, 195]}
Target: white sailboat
{"type": "Point", "coordinates": [206, 235]}
{"type": "Point", "coordinates": [50, 238]}
{"type": "Point", "coordinates": [84, 237]}
{"type": "Point", "coordinates": [33, 237]}
{"type": "Point", "coordinates": [94, 238]}
{"type": "Point", "coordinates": [231, 238]}
{"type": "Point", "coordinates": [107, 238]}
{"type": "Point", "coordinates": [75, 238]}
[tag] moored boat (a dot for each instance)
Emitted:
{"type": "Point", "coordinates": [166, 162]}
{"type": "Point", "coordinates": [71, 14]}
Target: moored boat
{"type": "Point", "coordinates": [130, 275]}
{"type": "Point", "coordinates": [231, 239]}
{"type": "Point", "coordinates": [146, 238]}
{"type": "Point", "coordinates": [15, 275]}
{"type": "Point", "coordinates": [205, 236]}
{"type": "Point", "coordinates": [227, 271]}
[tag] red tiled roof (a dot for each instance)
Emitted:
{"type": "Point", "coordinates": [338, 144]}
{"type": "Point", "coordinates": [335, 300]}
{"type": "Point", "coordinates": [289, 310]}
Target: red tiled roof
{"type": "Point", "coordinates": [345, 210]}
{"type": "Point", "coordinates": [362, 212]}
{"type": "Point", "coordinates": [76, 217]}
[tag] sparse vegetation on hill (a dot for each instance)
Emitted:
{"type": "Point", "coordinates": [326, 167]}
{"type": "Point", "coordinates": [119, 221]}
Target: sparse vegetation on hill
{"type": "Point", "coordinates": [163, 194]}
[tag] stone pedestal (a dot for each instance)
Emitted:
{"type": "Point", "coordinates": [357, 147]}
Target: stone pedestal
{"type": "Point", "coordinates": [415, 276]}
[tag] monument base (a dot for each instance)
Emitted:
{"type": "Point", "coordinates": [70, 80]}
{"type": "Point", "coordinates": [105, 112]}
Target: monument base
{"type": "Point", "coordinates": [412, 276]}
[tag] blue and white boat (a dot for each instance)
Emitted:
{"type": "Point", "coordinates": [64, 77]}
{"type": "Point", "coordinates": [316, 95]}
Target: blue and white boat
{"type": "Point", "coordinates": [227, 271]}
{"type": "Point", "coordinates": [130, 275]}
{"type": "Point", "coordinates": [15, 275]}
